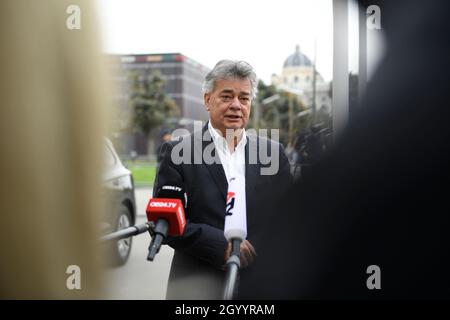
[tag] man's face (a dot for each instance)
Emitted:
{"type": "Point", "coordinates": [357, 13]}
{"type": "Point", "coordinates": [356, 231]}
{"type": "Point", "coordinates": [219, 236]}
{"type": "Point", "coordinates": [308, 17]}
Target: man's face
{"type": "Point", "coordinates": [229, 104]}
{"type": "Point", "coordinates": [166, 137]}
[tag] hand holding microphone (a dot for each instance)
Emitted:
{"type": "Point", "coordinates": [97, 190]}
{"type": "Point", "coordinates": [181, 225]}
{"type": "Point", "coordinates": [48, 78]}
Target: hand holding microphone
{"type": "Point", "coordinates": [240, 253]}
{"type": "Point", "coordinates": [247, 253]}
{"type": "Point", "coordinates": [236, 223]}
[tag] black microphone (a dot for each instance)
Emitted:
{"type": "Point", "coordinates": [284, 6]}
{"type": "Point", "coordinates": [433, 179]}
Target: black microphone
{"type": "Point", "coordinates": [166, 210]}
{"type": "Point", "coordinates": [173, 191]}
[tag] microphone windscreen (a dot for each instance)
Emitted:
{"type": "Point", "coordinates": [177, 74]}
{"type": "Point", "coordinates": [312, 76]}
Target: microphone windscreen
{"type": "Point", "coordinates": [170, 210]}
{"type": "Point", "coordinates": [236, 210]}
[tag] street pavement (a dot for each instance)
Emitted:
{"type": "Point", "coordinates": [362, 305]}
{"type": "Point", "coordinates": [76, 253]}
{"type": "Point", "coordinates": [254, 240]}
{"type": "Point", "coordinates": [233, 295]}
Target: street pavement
{"type": "Point", "coordinates": [139, 278]}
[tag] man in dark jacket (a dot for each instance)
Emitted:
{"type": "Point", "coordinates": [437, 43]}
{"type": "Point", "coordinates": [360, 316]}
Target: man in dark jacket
{"type": "Point", "coordinates": [204, 162]}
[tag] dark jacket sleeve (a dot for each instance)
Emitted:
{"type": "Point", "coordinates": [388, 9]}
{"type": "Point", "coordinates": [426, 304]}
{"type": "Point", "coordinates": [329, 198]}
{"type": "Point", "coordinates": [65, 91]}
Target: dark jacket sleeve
{"type": "Point", "coordinates": [200, 240]}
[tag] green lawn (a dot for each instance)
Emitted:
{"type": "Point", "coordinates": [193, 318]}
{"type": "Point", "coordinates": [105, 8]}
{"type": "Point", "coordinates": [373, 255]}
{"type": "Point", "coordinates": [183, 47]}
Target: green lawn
{"type": "Point", "coordinates": [143, 172]}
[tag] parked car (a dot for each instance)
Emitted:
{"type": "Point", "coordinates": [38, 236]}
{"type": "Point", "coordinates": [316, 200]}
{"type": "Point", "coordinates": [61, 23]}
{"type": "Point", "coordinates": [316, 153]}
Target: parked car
{"type": "Point", "coordinates": [120, 203]}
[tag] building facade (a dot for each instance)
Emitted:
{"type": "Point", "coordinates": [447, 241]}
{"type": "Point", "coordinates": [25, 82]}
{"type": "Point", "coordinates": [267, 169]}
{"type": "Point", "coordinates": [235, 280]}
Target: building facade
{"type": "Point", "coordinates": [297, 76]}
{"type": "Point", "coordinates": [183, 78]}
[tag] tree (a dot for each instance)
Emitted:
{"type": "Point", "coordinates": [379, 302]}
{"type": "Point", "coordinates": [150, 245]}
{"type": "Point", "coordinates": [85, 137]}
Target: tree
{"type": "Point", "coordinates": [150, 106]}
{"type": "Point", "coordinates": [275, 115]}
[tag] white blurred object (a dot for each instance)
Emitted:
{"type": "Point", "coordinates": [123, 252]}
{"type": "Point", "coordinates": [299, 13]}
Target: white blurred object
{"type": "Point", "coordinates": [236, 210]}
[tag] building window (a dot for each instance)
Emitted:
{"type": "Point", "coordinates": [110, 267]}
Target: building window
{"type": "Point", "coordinates": [296, 79]}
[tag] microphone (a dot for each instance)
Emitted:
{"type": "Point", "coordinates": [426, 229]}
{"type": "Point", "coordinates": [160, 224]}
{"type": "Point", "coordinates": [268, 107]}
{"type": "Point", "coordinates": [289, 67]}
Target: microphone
{"type": "Point", "coordinates": [236, 211]}
{"type": "Point", "coordinates": [173, 191]}
{"type": "Point", "coordinates": [235, 230]}
{"type": "Point", "coordinates": [166, 210]}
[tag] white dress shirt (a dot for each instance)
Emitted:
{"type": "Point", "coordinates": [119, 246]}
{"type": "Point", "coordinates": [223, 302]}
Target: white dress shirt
{"type": "Point", "coordinates": [233, 163]}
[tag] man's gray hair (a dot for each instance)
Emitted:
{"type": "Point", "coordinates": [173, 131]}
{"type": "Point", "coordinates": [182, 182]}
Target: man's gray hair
{"type": "Point", "coordinates": [226, 69]}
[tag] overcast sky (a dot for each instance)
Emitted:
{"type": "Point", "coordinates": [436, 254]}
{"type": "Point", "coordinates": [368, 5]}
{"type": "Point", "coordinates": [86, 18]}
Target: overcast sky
{"type": "Point", "coordinates": [262, 32]}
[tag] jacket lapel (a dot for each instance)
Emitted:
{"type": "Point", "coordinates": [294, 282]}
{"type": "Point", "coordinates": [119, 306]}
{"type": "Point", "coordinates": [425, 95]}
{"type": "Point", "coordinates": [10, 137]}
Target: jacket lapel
{"type": "Point", "coordinates": [216, 168]}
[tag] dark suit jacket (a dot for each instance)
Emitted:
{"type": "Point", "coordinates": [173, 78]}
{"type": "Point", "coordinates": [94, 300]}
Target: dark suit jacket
{"type": "Point", "coordinates": [203, 243]}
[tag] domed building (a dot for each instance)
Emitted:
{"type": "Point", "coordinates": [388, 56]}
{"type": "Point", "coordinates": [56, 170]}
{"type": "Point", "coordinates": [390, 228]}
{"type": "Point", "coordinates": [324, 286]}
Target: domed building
{"type": "Point", "coordinates": [297, 76]}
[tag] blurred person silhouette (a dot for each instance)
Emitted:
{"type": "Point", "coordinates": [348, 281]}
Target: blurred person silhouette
{"type": "Point", "coordinates": [165, 137]}
{"type": "Point", "coordinates": [380, 197]}
{"type": "Point", "coordinates": [51, 139]}
{"type": "Point", "coordinates": [298, 153]}
{"type": "Point", "coordinates": [314, 145]}
{"type": "Point", "coordinates": [310, 148]}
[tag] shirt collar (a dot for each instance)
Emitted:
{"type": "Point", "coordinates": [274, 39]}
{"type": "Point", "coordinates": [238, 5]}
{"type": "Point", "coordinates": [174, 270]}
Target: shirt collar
{"type": "Point", "coordinates": [220, 141]}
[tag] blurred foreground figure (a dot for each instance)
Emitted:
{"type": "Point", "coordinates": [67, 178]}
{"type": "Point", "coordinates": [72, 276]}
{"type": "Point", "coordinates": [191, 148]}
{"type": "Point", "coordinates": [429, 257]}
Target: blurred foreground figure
{"type": "Point", "coordinates": [51, 151]}
{"type": "Point", "coordinates": [381, 197]}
